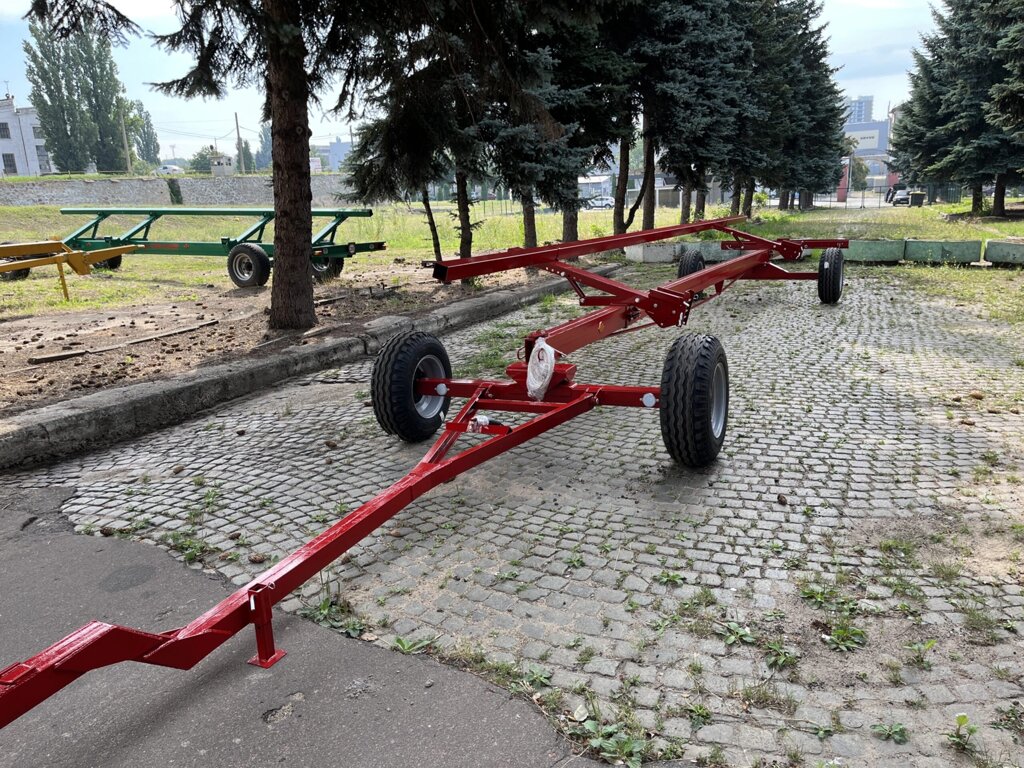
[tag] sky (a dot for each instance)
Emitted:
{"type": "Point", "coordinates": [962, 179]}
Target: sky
{"type": "Point", "coordinates": [870, 42]}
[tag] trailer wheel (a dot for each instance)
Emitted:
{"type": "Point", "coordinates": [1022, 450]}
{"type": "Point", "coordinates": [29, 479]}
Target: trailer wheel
{"type": "Point", "coordinates": [694, 399]}
{"type": "Point", "coordinates": [16, 274]}
{"type": "Point", "coordinates": [248, 265]}
{"type": "Point", "coordinates": [830, 276]}
{"type": "Point", "coordinates": [114, 262]}
{"type": "Point", "coordinates": [399, 409]}
{"type": "Point", "coordinates": [326, 269]}
{"type": "Point", "coordinates": [690, 262]}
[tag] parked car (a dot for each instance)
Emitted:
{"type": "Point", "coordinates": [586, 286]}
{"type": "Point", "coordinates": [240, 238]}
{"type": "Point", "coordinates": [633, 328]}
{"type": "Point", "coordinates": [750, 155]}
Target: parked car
{"type": "Point", "coordinates": [901, 197]}
{"type": "Point", "coordinates": [602, 201]}
{"type": "Point", "coordinates": [169, 170]}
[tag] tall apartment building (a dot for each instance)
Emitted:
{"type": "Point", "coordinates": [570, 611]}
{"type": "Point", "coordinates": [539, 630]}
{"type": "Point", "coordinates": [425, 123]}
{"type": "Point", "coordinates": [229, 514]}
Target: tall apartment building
{"type": "Point", "coordinates": [859, 110]}
{"type": "Point", "coordinates": [22, 144]}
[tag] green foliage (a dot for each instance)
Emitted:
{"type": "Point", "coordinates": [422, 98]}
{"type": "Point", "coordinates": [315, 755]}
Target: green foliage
{"type": "Point", "coordinates": [79, 98]}
{"type": "Point", "coordinates": [777, 656]}
{"type": "Point", "coordinates": [845, 637]}
{"type": "Point", "coordinates": [412, 647]}
{"type": "Point", "coordinates": [962, 734]}
{"type": "Point", "coordinates": [732, 633]}
{"type": "Point", "coordinates": [919, 653]}
{"type": "Point", "coordinates": [612, 742]}
{"type": "Point", "coordinates": [200, 161]}
{"type": "Point", "coordinates": [895, 731]}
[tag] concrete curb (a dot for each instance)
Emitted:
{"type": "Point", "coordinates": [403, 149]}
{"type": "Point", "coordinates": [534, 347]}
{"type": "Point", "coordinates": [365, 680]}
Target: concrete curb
{"type": "Point", "coordinates": [86, 423]}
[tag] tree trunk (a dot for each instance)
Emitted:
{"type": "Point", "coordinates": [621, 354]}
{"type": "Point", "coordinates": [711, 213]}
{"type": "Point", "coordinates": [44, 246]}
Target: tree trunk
{"type": "Point", "coordinates": [465, 223]}
{"type": "Point", "coordinates": [977, 200]}
{"type": "Point", "coordinates": [529, 218]}
{"type": "Point", "coordinates": [700, 201]}
{"type": "Point", "coordinates": [700, 204]}
{"type": "Point", "coordinates": [685, 203]}
{"type": "Point", "coordinates": [425, 195]}
{"type": "Point", "coordinates": [806, 200]}
{"type": "Point", "coordinates": [570, 225]}
{"type": "Point", "coordinates": [783, 199]}
{"type": "Point", "coordinates": [734, 208]}
{"type": "Point", "coordinates": [621, 185]}
{"type": "Point", "coordinates": [291, 295]}
{"type": "Point", "coordinates": [650, 196]}
{"type": "Point", "coordinates": [748, 198]}
{"type": "Point", "coordinates": [999, 196]}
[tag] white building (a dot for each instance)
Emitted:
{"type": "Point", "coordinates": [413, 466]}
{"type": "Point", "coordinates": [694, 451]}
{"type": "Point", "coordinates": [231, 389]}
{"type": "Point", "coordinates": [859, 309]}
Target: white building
{"type": "Point", "coordinates": [22, 145]}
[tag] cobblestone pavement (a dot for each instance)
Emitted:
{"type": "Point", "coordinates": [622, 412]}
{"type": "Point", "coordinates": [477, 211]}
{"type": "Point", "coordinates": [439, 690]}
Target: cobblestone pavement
{"type": "Point", "coordinates": [865, 499]}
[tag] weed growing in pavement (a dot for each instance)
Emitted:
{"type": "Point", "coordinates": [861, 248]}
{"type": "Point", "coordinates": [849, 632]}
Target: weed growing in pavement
{"type": "Point", "coordinates": [918, 653]}
{"type": "Point", "coordinates": [412, 647]}
{"type": "Point", "coordinates": [777, 656]}
{"type": "Point", "coordinates": [845, 637]}
{"type": "Point", "coordinates": [191, 549]}
{"type": "Point", "coordinates": [669, 578]}
{"type": "Point", "coordinates": [960, 738]}
{"type": "Point", "coordinates": [1011, 719]}
{"type": "Point", "coordinates": [895, 731]}
{"type": "Point", "coordinates": [733, 633]}
{"type": "Point", "coordinates": [611, 741]}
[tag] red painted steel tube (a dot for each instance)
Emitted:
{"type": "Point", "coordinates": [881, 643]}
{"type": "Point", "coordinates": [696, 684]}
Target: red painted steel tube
{"type": "Point", "coordinates": [513, 258]}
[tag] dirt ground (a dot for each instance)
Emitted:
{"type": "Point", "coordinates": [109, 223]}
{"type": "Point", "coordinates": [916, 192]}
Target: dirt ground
{"type": "Point", "coordinates": [109, 348]}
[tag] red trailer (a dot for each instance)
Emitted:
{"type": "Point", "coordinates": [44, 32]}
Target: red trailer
{"type": "Point", "coordinates": [412, 388]}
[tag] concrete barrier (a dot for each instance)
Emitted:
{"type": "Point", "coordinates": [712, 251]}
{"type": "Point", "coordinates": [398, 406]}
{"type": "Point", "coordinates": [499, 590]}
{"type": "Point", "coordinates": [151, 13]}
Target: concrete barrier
{"type": "Point", "coordinates": [1004, 252]}
{"type": "Point", "coordinates": [943, 252]}
{"type": "Point", "coordinates": [875, 251]}
{"type": "Point", "coordinates": [652, 253]}
{"type": "Point", "coordinates": [711, 250]}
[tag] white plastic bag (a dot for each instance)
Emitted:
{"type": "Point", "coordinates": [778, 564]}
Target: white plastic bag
{"type": "Point", "coordinates": [540, 369]}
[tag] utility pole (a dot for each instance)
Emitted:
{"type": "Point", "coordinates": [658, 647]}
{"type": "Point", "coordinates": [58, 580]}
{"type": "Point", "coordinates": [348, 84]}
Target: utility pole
{"type": "Point", "coordinates": [174, 152]}
{"type": "Point", "coordinates": [241, 154]}
{"type": "Point", "coordinates": [127, 152]}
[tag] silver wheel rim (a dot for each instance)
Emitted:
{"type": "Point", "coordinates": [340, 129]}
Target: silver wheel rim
{"type": "Point", "coordinates": [320, 265]}
{"type": "Point", "coordinates": [244, 267]}
{"type": "Point", "coordinates": [719, 401]}
{"type": "Point", "coordinates": [842, 274]}
{"type": "Point", "coordinates": [428, 406]}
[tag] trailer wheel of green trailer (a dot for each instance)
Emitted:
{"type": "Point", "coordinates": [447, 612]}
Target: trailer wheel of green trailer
{"type": "Point", "coordinates": [694, 399]}
{"type": "Point", "coordinates": [399, 409]}
{"type": "Point", "coordinates": [830, 276]}
{"type": "Point", "coordinates": [15, 274]}
{"type": "Point", "coordinates": [111, 263]}
{"type": "Point", "coordinates": [690, 262]}
{"type": "Point", "coordinates": [248, 265]}
{"type": "Point", "coordinates": [325, 269]}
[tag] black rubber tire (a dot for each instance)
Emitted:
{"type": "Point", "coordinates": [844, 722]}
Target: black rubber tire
{"type": "Point", "coordinates": [694, 403]}
{"type": "Point", "coordinates": [399, 411]}
{"type": "Point", "coordinates": [113, 262]}
{"type": "Point", "coordinates": [326, 269]}
{"type": "Point", "coordinates": [17, 274]}
{"type": "Point", "coordinates": [248, 265]}
{"type": "Point", "coordinates": [830, 276]}
{"type": "Point", "coordinates": [690, 262]}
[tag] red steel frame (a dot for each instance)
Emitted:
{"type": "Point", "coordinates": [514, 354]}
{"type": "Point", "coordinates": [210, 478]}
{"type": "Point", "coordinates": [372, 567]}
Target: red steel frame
{"type": "Point", "coordinates": [25, 684]}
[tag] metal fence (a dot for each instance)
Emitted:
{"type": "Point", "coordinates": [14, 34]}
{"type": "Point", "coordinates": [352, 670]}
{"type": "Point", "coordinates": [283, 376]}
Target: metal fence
{"type": "Point", "coordinates": [879, 197]}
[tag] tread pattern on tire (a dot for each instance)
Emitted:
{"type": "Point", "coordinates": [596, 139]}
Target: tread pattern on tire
{"type": "Point", "coordinates": [686, 384]}
{"type": "Point", "coordinates": [691, 261]}
{"type": "Point", "coordinates": [830, 276]}
{"type": "Point", "coordinates": [391, 385]}
{"type": "Point", "coordinates": [260, 263]}
{"type": "Point", "coordinates": [330, 271]}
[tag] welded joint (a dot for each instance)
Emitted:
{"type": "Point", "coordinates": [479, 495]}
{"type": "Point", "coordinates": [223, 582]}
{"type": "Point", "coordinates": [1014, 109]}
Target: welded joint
{"type": "Point", "coordinates": [261, 613]}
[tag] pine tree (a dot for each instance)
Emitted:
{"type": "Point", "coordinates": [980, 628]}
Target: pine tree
{"type": "Point", "coordinates": [1004, 20]}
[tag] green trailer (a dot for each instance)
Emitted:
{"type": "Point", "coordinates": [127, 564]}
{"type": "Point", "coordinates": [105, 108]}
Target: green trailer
{"type": "Point", "coordinates": [249, 258]}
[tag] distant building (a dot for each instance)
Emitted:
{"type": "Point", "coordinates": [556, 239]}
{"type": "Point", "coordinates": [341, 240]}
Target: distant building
{"type": "Point", "coordinates": [872, 147]}
{"type": "Point", "coordinates": [22, 144]}
{"type": "Point", "coordinates": [859, 110]}
{"type": "Point", "coordinates": [221, 164]}
{"type": "Point", "coordinates": [337, 151]}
